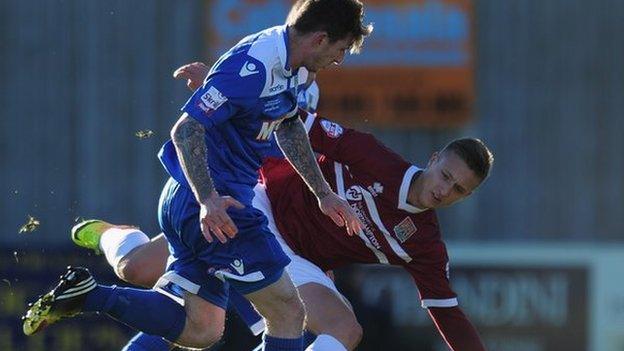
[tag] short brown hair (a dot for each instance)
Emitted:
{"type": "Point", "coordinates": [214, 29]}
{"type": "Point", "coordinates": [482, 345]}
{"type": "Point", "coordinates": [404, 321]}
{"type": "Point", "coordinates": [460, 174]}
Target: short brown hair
{"type": "Point", "coordinates": [340, 19]}
{"type": "Point", "coordinates": [474, 152]}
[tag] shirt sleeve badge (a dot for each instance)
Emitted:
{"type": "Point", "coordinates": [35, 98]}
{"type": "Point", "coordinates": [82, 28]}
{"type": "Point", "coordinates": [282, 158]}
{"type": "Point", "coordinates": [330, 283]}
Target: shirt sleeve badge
{"type": "Point", "coordinates": [333, 130]}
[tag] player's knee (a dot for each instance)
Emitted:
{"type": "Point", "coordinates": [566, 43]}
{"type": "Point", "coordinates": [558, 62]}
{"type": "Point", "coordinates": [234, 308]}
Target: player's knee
{"type": "Point", "coordinates": [204, 323]}
{"type": "Point", "coordinates": [297, 313]}
{"type": "Point", "coordinates": [130, 271]}
{"type": "Point", "coordinates": [293, 308]}
{"type": "Point", "coordinates": [346, 329]}
{"type": "Point", "coordinates": [353, 333]}
{"type": "Point", "coordinates": [202, 332]}
{"type": "Point", "coordinates": [207, 338]}
{"type": "Point", "coordinates": [287, 309]}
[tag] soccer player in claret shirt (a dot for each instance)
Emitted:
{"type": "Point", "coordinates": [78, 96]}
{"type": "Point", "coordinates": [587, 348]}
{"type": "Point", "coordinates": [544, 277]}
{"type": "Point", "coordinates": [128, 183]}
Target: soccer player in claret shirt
{"type": "Point", "coordinates": [394, 199]}
{"type": "Point", "coordinates": [217, 147]}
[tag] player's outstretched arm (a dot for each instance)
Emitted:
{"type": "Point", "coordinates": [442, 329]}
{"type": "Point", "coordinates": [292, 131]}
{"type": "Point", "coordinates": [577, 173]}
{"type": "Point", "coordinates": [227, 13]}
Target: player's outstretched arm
{"type": "Point", "coordinates": [456, 329]}
{"type": "Point", "coordinates": [293, 140]}
{"type": "Point", "coordinates": [188, 137]}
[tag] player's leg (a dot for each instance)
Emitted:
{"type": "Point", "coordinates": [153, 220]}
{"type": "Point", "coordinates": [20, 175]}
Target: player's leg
{"type": "Point", "coordinates": [254, 266]}
{"type": "Point", "coordinates": [330, 321]}
{"type": "Point", "coordinates": [198, 324]}
{"type": "Point", "coordinates": [205, 322]}
{"type": "Point", "coordinates": [328, 313]}
{"type": "Point", "coordinates": [145, 263]}
{"type": "Point", "coordinates": [134, 257]}
{"type": "Point", "coordinates": [150, 311]}
{"type": "Point", "coordinates": [336, 326]}
{"type": "Point", "coordinates": [330, 318]}
{"type": "Point", "coordinates": [244, 309]}
{"type": "Point", "coordinates": [246, 312]}
{"type": "Point", "coordinates": [147, 342]}
{"type": "Point", "coordinates": [205, 301]}
{"type": "Point", "coordinates": [157, 311]}
{"type": "Point", "coordinates": [281, 308]}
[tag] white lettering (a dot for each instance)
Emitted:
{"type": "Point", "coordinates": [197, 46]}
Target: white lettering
{"type": "Point", "coordinates": [267, 129]}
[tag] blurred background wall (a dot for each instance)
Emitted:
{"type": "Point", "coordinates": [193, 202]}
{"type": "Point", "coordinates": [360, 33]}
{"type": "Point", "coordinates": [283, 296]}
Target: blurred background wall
{"type": "Point", "coordinates": [78, 79]}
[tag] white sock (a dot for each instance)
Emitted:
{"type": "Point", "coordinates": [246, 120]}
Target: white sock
{"type": "Point", "coordinates": [326, 342]}
{"type": "Point", "coordinates": [117, 242]}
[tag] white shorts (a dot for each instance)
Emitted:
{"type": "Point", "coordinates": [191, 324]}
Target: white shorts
{"type": "Point", "coordinates": [300, 270]}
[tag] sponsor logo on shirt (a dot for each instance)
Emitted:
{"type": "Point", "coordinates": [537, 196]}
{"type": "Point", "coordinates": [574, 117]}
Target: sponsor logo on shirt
{"type": "Point", "coordinates": [366, 224]}
{"type": "Point", "coordinates": [267, 129]}
{"type": "Point", "coordinates": [203, 107]}
{"type": "Point", "coordinates": [211, 100]}
{"type": "Point", "coordinates": [272, 105]}
{"type": "Point", "coordinates": [333, 130]}
{"type": "Point", "coordinates": [276, 88]}
{"type": "Point", "coordinates": [405, 229]}
{"type": "Point", "coordinates": [248, 69]}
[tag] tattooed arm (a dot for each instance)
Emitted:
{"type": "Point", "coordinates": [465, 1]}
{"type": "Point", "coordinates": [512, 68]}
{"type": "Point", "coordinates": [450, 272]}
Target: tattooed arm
{"type": "Point", "coordinates": [188, 138]}
{"type": "Point", "coordinates": [293, 140]}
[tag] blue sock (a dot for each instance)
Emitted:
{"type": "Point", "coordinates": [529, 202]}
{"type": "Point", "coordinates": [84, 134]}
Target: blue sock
{"type": "Point", "coordinates": [278, 344]}
{"type": "Point", "coordinates": [146, 342]}
{"type": "Point", "coordinates": [308, 338]}
{"type": "Point", "coordinates": [146, 310]}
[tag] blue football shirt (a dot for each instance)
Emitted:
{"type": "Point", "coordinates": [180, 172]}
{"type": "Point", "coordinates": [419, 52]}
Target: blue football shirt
{"type": "Point", "coordinates": [248, 92]}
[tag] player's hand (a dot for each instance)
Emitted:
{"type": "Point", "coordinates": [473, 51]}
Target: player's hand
{"type": "Point", "coordinates": [194, 73]}
{"type": "Point", "coordinates": [340, 212]}
{"type": "Point", "coordinates": [214, 219]}
{"type": "Point", "coordinates": [330, 275]}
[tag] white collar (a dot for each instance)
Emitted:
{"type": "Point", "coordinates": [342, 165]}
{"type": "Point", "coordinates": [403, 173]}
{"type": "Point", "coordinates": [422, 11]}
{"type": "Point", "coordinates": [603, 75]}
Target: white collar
{"type": "Point", "coordinates": [282, 50]}
{"type": "Point", "coordinates": [404, 190]}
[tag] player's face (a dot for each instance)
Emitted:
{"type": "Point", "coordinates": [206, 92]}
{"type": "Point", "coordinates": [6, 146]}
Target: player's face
{"type": "Point", "coordinates": [446, 180]}
{"type": "Point", "coordinates": [327, 53]}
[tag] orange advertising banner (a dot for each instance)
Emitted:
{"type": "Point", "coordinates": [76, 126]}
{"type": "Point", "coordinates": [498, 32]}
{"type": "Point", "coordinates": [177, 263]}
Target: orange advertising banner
{"type": "Point", "coordinates": [433, 97]}
{"type": "Point", "coordinates": [415, 70]}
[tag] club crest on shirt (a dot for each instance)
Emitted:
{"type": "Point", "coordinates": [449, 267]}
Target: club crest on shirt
{"type": "Point", "coordinates": [354, 193]}
{"type": "Point", "coordinates": [333, 130]}
{"type": "Point", "coordinates": [405, 229]}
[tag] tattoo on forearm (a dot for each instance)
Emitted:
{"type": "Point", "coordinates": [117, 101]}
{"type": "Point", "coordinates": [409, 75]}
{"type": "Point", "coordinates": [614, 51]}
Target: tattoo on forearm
{"type": "Point", "coordinates": [190, 146]}
{"type": "Point", "coordinates": [293, 140]}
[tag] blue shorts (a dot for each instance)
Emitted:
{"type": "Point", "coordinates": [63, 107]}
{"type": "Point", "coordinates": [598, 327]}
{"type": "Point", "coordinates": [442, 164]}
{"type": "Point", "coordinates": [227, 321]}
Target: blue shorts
{"type": "Point", "coordinates": [249, 262]}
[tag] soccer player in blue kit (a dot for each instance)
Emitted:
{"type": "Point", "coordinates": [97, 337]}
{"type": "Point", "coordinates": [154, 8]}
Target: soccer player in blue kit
{"type": "Point", "coordinates": [217, 146]}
